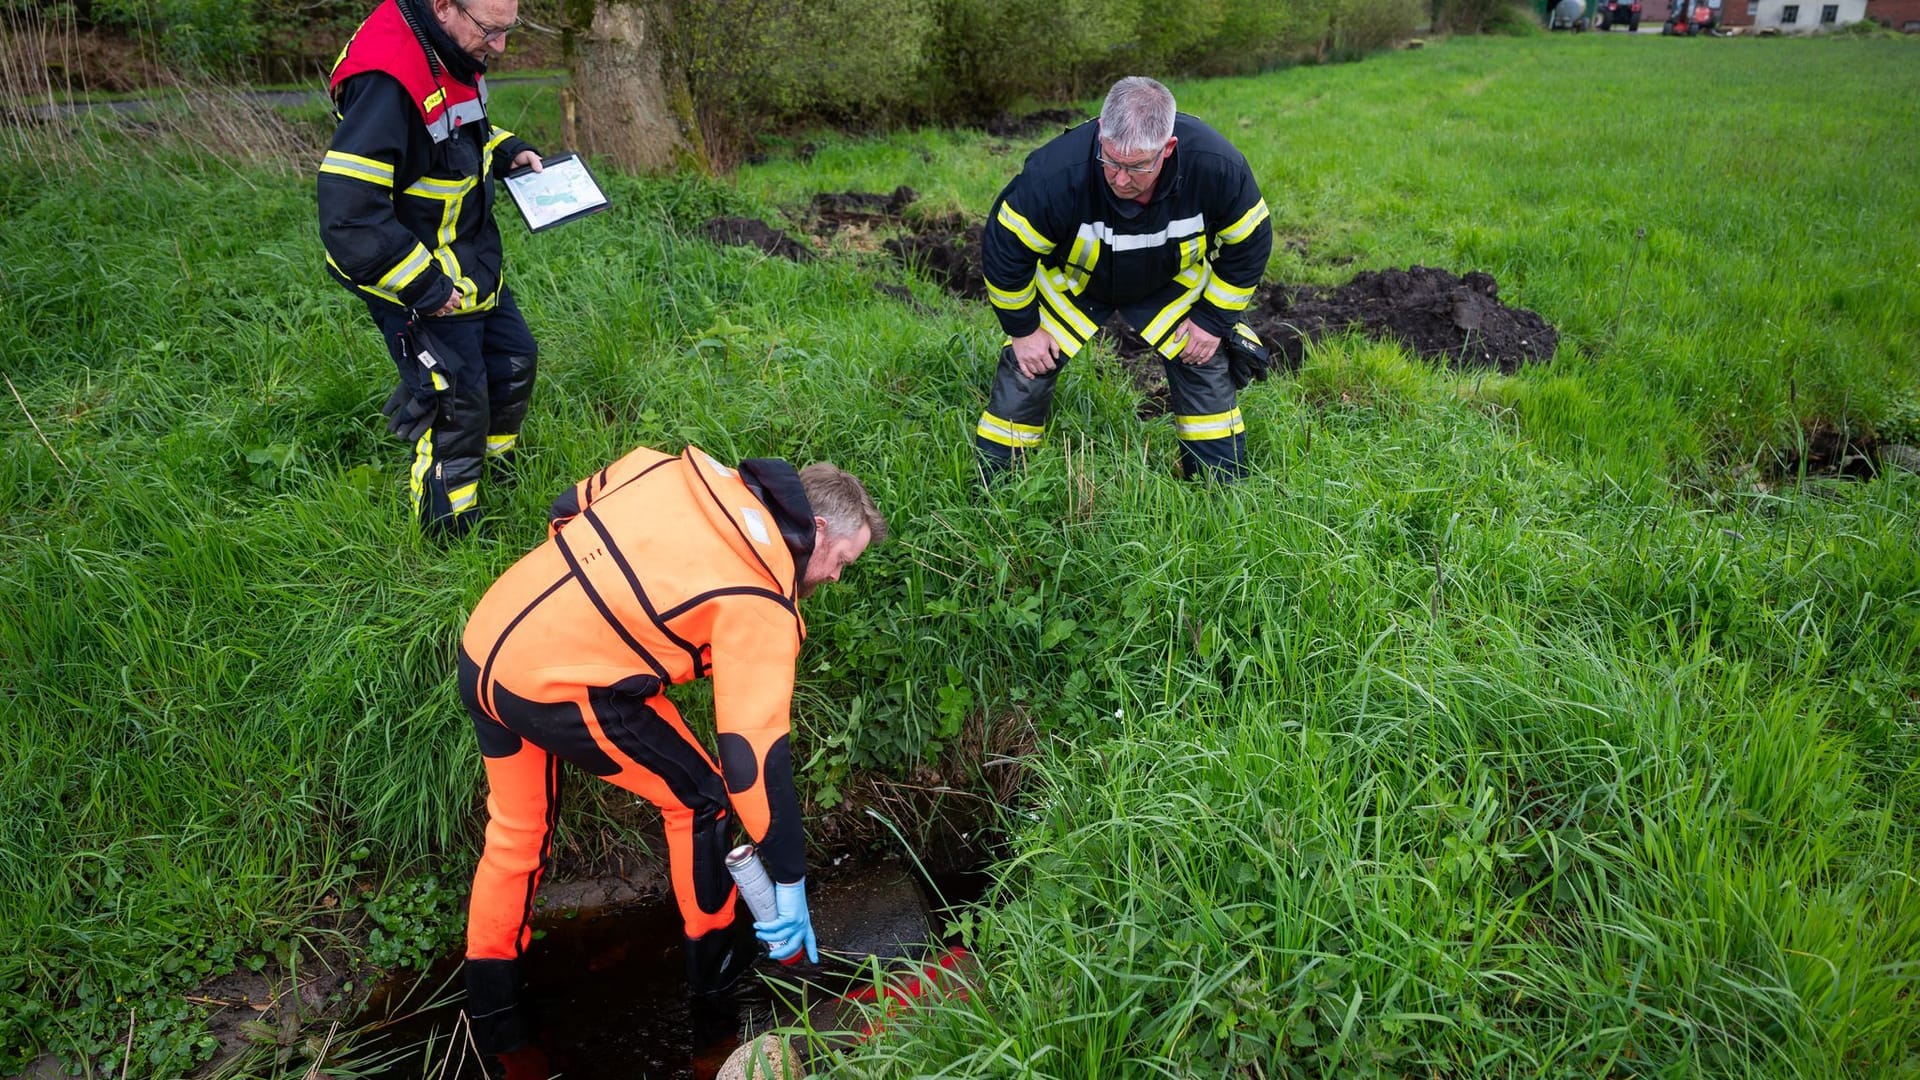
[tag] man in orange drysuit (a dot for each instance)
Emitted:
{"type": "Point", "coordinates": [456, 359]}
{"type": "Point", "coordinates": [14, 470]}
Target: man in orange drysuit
{"type": "Point", "coordinates": [657, 570]}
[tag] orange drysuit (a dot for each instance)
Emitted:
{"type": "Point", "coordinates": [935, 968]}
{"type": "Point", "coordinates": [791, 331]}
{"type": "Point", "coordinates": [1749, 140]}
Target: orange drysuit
{"type": "Point", "coordinates": [658, 569]}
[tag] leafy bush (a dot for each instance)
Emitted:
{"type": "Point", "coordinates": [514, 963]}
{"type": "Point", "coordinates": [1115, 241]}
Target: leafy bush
{"type": "Point", "coordinates": [992, 54]}
{"type": "Point", "coordinates": [1512, 20]}
{"type": "Point", "coordinates": [1254, 36]}
{"type": "Point", "coordinates": [835, 59]}
{"type": "Point", "coordinates": [1485, 17]}
{"type": "Point", "coordinates": [1363, 26]}
{"type": "Point", "coordinates": [194, 36]}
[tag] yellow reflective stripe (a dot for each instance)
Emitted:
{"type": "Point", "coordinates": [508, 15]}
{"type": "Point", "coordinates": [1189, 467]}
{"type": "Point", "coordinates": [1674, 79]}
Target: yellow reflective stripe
{"type": "Point", "coordinates": [1022, 228]}
{"type": "Point", "coordinates": [1243, 228]}
{"type": "Point", "coordinates": [1053, 295]}
{"type": "Point", "coordinates": [1228, 297]}
{"type": "Point", "coordinates": [428, 187]}
{"type": "Point", "coordinates": [1078, 250]}
{"type": "Point", "coordinates": [439, 381]}
{"type": "Point", "coordinates": [1007, 433]}
{"type": "Point", "coordinates": [406, 270]}
{"type": "Point", "coordinates": [500, 444]}
{"type": "Point", "coordinates": [1195, 278]}
{"type": "Point", "coordinates": [355, 167]}
{"type": "Point", "coordinates": [1211, 426]}
{"type": "Point", "coordinates": [443, 253]}
{"type": "Point", "coordinates": [417, 476]}
{"type": "Point", "coordinates": [1069, 343]}
{"type": "Point", "coordinates": [368, 289]}
{"type": "Point", "coordinates": [1092, 251]}
{"type": "Point", "coordinates": [500, 135]}
{"type": "Point", "coordinates": [462, 498]}
{"type": "Point", "coordinates": [1010, 301]}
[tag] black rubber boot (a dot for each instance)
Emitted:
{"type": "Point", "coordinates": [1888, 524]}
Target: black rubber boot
{"type": "Point", "coordinates": [493, 1006]}
{"type": "Point", "coordinates": [717, 960]}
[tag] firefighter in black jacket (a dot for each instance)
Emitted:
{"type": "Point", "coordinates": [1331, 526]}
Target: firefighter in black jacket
{"type": "Point", "coordinates": [406, 215]}
{"type": "Point", "coordinates": [1150, 213]}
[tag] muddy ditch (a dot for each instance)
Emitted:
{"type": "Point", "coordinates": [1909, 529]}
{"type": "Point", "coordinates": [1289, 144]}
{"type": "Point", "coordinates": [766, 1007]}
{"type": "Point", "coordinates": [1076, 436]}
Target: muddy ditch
{"type": "Point", "coordinates": [898, 855]}
{"type": "Point", "coordinates": [605, 981]}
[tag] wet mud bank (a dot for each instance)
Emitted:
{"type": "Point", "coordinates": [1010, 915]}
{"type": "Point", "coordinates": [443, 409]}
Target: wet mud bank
{"type": "Point", "coordinates": [890, 868]}
{"type": "Point", "coordinates": [606, 988]}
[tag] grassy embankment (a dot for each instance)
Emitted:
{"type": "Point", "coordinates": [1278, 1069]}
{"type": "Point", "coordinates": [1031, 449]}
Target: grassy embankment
{"type": "Point", "coordinates": [1497, 727]}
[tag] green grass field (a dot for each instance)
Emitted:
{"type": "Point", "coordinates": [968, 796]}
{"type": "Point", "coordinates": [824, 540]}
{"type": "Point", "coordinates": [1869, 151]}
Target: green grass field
{"type": "Point", "coordinates": [1553, 725]}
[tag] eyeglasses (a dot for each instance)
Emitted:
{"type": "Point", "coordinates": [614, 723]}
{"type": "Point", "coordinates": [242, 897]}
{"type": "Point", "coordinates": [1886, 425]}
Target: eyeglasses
{"type": "Point", "coordinates": [1137, 169]}
{"type": "Point", "coordinates": [488, 33]}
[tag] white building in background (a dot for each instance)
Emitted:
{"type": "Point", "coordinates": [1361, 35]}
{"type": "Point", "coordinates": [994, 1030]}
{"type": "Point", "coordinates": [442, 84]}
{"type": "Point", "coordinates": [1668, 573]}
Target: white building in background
{"type": "Point", "coordinates": [1798, 16]}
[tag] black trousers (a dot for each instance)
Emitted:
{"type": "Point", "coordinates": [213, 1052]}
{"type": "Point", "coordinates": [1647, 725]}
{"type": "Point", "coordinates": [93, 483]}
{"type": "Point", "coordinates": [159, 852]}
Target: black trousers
{"type": "Point", "coordinates": [482, 402]}
{"type": "Point", "coordinates": [1206, 409]}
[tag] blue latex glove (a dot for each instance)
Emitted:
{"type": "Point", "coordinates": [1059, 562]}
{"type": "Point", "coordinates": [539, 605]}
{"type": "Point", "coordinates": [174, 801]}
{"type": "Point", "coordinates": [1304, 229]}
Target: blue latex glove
{"type": "Point", "coordinates": [792, 929]}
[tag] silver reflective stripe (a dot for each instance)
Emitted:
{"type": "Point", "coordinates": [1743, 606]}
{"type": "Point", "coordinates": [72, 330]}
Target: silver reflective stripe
{"type": "Point", "coordinates": [1100, 230]}
{"type": "Point", "coordinates": [466, 112]}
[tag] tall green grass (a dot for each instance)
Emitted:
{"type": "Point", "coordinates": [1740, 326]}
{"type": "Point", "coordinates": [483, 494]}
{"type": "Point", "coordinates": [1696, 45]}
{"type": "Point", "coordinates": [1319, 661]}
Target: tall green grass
{"type": "Point", "coordinates": [1495, 727]}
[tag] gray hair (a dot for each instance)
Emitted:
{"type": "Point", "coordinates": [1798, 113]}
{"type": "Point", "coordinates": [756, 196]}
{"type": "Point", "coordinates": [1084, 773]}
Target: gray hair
{"type": "Point", "coordinates": [839, 498]}
{"type": "Point", "coordinates": [1138, 115]}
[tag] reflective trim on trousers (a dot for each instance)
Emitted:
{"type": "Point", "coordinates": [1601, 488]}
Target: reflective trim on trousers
{"type": "Point", "coordinates": [1007, 433]}
{"type": "Point", "coordinates": [1213, 426]}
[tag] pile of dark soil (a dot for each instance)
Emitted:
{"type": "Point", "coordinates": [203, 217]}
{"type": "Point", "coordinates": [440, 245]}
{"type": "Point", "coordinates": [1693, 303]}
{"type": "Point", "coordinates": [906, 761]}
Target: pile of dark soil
{"type": "Point", "coordinates": [1824, 449]}
{"type": "Point", "coordinates": [948, 254]}
{"type": "Point", "coordinates": [837, 210]}
{"type": "Point", "coordinates": [751, 232]}
{"type": "Point", "coordinates": [1457, 320]}
{"type": "Point", "coordinates": [1051, 121]}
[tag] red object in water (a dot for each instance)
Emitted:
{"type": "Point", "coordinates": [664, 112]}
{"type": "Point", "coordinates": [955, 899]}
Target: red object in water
{"type": "Point", "coordinates": [528, 1062]}
{"type": "Point", "coordinates": [937, 976]}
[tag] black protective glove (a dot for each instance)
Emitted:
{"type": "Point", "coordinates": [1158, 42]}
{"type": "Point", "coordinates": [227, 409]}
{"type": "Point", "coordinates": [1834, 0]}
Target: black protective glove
{"type": "Point", "coordinates": [1247, 356]}
{"type": "Point", "coordinates": [424, 372]}
{"type": "Point", "coordinates": [408, 416]}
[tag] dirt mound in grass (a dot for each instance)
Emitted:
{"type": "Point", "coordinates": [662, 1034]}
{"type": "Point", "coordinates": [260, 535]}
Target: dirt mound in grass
{"type": "Point", "coordinates": [1460, 321]}
{"type": "Point", "coordinates": [949, 255]}
{"type": "Point", "coordinates": [750, 232]}
{"type": "Point", "coordinates": [838, 209]}
{"type": "Point", "coordinates": [1052, 121]}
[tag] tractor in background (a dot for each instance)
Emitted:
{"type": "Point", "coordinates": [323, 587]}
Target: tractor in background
{"type": "Point", "coordinates": [1621, 13]}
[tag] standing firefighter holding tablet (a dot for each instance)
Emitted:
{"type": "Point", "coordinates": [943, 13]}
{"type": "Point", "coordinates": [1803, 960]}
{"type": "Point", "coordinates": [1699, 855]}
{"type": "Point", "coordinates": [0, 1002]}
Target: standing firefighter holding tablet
{"type": "Point", "coordinates": [406, 214]}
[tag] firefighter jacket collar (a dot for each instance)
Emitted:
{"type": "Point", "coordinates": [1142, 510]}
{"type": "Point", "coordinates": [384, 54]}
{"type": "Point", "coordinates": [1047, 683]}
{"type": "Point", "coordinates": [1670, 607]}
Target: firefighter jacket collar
{"type": "Point", "coordinates": [393, 42]}
{"type": "Point", "coordinates": [457, 62]}
{"type": "Point", "coordinates": [777, 486]}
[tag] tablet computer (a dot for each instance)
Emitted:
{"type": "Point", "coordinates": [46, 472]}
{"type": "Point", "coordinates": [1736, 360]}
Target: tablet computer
{"type": "Point", "coordinates": [563, 190]}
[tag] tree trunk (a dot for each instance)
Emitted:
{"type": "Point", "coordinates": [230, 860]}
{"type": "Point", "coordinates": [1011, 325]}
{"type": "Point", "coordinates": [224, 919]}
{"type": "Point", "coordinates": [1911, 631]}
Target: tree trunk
{"type": "Point", "coordinates": [631, 102]}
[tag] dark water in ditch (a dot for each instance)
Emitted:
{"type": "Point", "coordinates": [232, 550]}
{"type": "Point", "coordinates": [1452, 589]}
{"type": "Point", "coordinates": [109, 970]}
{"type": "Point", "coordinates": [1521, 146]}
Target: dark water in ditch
{"type": "Point", "coordinates": [607, 989]}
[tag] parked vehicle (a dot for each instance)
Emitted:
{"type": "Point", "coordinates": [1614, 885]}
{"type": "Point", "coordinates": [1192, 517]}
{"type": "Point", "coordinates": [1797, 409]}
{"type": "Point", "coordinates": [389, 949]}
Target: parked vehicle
{"type": "Point", "coordinates": [1568, 15]}
{"type": "Point", "coordinates": [1691, 18]}
{"type": "Point", "coordinates": [1620, 13]}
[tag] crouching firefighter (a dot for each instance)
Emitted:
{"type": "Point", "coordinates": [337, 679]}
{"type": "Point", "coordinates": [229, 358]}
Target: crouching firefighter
{"type": "Point", "coordinates": [406, 216]}
{"type": "Point", "coordinates": [657, 570]}
{"type": "Point", "coordinates": [1148, 213]}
